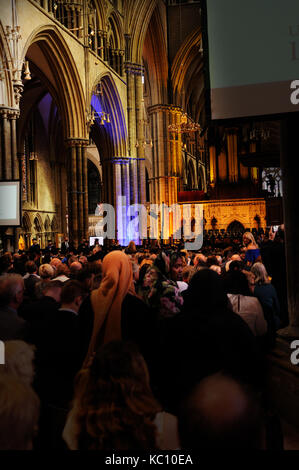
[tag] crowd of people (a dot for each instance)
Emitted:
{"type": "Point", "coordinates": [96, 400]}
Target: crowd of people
{"type": "Point", "coordinates": [131, 348]}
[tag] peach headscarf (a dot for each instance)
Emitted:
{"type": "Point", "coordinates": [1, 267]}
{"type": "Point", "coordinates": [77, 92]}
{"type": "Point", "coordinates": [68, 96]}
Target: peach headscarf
{"type": "Point", "coordinates": [107, 300]}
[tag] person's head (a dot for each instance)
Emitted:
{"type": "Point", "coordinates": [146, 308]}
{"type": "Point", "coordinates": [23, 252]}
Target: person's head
{"type": "Point", "coordinates": [72, 295]}
{"type": "Point", "coordinates": [46, 271]}
{"type": "Point", "coordinates": [206, 293]}
{"type": "Point", "coordinates": [72, 259]}
{"type": "Point", "coordinates": [83, 260]}
{"type": "Point", "coordinates": [131, 247]}
{"type": "Point", "coordinates": [55, 262]}
{"type": "Point", "coordinates": [216, 268]}
{"type": "Point", "coordinates": [151, 275]}
{"type": "Point", "coordinates": [248, 239]}
{"type": "Point", "coordinates": [236, 283]}
{"type": "Point", "coordinates": [75, 268]}
{"type": "Point", "coordinates": [62, 270]}
{"type": "Point", "coordinates": [187, 273]}
{"type": "Point", "coordinates": [221, 413]}
{"type": "Point", "coordinates": [34, 241]}
{"type": "Point", "coordinates": [19, 413]}
{"type": "Point", "coordinates": [177, 264]}
{"type": "Point", "coordinates": [260, 274]}
{"type": "Point", "coordinates": [199, 261]}
{"type": "Point", "coordinates": [19, 357]}
{"type": "Point", "coordinates": [236, 257]}
{"type": "Point", "coordinates": [162, 262]}
{"type": "Point", "coordinates": [114, 402]}
{"type": "Point", "coordinates": [31, 267]}
{"type": "Point", "coordinates": [52, 289]}
{"type": "Point", "coordinates": [211, 260]}
{"type": "Point", "coordinates": [11, 290]}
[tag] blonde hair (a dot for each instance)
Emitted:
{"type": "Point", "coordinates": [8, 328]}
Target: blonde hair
{"type": "Point", "coordinates": [19, 358]}
{"type": "Point", "coordinates": [250, 237]}
{"type": "Point", "coordinates": [46, 271]}
{"type": "Point", "coordinates": [260, 274]}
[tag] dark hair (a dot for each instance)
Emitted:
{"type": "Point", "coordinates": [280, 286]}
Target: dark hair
{"type": "Point", "coordinates": [71, 290]}
{"type": "Point", "coordinates": [236, 282]}
{"type": "Point", "coordinates": [205, 293]}
{"type": "Point", "coordinates": [30, 267]}
{"type": "Point", "coordinates": [115, 406]}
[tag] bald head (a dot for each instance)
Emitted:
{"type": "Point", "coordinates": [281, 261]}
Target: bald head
{"type": "Point", "coordinates": [220, 413]}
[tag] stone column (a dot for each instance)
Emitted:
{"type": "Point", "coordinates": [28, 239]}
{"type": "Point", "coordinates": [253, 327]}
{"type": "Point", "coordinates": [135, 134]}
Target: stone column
{"type": "Point", "coordinates": [132, 139]}
{"type": "Point", "coordinates": [117, 194]}
{"type": "Point", "coordinates": [85, 192]}
{"type": "Point", "coordinates": [289, 158]}
{"type": "Point", "coordinates": [140, 132]}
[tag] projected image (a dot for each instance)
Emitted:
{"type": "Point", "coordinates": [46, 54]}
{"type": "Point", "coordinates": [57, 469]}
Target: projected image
{"type": "Point", "coordinates": [253, 52]}
{"type": "Point", "coordinates": [10, 203]}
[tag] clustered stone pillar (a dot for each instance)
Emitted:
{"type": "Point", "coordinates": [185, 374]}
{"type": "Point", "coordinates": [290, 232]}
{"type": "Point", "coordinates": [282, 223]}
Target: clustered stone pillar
{"type": "Point", "coordinates": [136, 131]}
{"type": "Point", "coordinates": [167, 154]}
{"type": "Point", "coordinates": [9, 164]}
{"type": "Point", "coordinates": [77, 190]}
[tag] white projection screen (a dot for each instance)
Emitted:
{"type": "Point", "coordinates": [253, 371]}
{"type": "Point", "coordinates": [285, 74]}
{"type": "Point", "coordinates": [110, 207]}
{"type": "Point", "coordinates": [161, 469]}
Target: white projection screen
{"type": "Point", "coordinates": [252, 60]}
{"type": "Point", "coordinates": [10, 203]}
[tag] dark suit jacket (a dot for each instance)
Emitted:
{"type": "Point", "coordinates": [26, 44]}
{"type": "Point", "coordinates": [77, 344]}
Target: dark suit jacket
{"type": "Point", "coordinates": [11, 325]}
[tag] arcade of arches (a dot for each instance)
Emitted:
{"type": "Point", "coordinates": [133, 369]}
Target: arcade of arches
{"type": "Point", "coordinates": [88, 90]}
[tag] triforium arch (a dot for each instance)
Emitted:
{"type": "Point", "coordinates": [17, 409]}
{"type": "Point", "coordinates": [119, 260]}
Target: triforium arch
{"type": "Point", "coordinates": [59, 67]}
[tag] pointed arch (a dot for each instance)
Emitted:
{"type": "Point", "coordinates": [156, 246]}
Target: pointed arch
{"type": "Point", "coordinates": [62, 77]}
{"type": "Point", "coordinates": [187, 69]}
{"type": "Point", "coordinates": [38, 223]}
{"type": "Point", "coordinates": [54, 224]}
{"type": "Point", "coordinates": [116, 129]}
{"type": "Point", "coordinates": [26, 222]}
{"type": "Point", "coordinates": [116, 32]}
{"type": "Point", "coordinates": [47, 224]}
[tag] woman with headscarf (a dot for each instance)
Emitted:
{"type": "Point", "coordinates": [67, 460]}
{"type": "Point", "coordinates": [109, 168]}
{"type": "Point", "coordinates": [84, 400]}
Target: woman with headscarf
{"type": "Point", "coordinates": [114, 312]}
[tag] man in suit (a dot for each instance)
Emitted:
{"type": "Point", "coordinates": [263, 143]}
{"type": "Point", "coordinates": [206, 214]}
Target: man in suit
{"type": "Point", "coordinates": [59, 359]}
{"type": "Point", "coordinates": [65, 246]}
{"type": "Point", "coordinates": [30, 279]}
{"type": "Point", "coordinates": [35, 247]}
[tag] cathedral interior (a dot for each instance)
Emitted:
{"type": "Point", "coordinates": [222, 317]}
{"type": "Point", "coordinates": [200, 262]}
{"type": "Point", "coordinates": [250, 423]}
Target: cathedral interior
{"type": "Point", "coordinates": [106, 98]}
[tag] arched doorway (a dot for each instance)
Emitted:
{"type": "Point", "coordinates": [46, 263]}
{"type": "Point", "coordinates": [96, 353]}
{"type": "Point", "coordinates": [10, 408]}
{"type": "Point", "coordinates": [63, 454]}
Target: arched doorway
{"type": "Point", "coordinates": [235, 226]}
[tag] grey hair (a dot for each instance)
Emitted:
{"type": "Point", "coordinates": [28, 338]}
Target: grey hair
{"type": "Point", "coordinates": [260, 274]}
{"type": "Point", "coordinates": [9, 286]}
